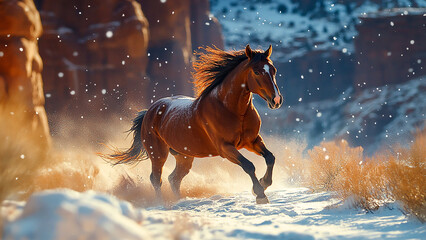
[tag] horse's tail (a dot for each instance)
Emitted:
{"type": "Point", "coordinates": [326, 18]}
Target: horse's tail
{"type": "Point", "coordinates": [136, 152]}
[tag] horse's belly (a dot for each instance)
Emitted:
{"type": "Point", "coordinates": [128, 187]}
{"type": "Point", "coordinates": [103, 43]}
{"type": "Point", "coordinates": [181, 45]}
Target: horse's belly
{"type": "Point", "coordinates": [182, 133]}
{"type": "Point", "coordinates": [189, 141]}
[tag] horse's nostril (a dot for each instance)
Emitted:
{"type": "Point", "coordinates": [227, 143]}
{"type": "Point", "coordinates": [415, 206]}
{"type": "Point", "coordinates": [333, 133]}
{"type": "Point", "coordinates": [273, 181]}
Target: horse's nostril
{"type": "Point", "coordinates": [281, 99]}
{"type": "Point", "coordinates": [277, 99]}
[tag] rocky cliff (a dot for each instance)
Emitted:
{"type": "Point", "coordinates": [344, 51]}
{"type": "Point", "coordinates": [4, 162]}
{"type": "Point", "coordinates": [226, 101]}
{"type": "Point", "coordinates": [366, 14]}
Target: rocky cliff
{"type": "Point", "coordinates": [390, 47]}
{"type": "Point", "coordinates": [21, 86]}
{"type": "Point", "coordinates": [94, 54]}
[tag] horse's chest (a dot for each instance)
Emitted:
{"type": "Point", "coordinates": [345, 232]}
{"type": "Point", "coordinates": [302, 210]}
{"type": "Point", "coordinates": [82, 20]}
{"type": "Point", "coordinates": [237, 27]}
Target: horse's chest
{"type": "Point", "coordinates": [250, 127]}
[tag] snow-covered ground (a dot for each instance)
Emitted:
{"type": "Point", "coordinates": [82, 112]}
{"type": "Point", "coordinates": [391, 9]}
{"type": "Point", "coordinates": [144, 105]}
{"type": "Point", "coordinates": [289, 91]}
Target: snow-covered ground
{"type": "Point", "coordinates": [294, 213]}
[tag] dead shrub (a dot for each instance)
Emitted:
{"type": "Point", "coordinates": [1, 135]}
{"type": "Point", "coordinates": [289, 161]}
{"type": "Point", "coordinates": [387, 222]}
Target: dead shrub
{"type": "Point", "coordinates": [328, 162]}
{"type": "Point", "coordinates": [371, 182]}
{"type": "Point", "coordinates": [406, 177]}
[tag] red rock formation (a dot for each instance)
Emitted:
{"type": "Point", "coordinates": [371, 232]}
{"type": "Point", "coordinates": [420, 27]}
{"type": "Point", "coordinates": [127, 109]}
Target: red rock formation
{"type": "Point", "coordinates": [205, 28]}
{"type": "Point", "coordinates": [390, 47]}
{"type": "Point", "coordinates": [95, 55]}
{"type": "Point", "coordinates": [170, 47]}
{"type": "Point", "coordinates": [21, 87]}
{"type": "Point", "coordinates": [176, 28]}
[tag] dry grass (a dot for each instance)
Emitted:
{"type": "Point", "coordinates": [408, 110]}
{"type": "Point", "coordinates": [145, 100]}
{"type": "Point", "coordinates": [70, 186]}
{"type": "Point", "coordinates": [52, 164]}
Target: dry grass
{"type": "Point", "coordinates": [406, 177]}
{"type": "Point", "coordinates": [371, 182]}
{"type": "Point", "coordinates": [329, 161]}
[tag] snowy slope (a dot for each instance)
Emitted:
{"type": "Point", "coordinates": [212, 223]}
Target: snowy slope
{"type": "Point", "coordinates": [294, 213]}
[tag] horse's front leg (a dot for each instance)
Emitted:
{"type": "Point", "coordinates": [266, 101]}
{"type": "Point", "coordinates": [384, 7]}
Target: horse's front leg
{"type": "Point", "coordinates": [259, 148]}
{"type": "Point", "coordinates": [231, 153]}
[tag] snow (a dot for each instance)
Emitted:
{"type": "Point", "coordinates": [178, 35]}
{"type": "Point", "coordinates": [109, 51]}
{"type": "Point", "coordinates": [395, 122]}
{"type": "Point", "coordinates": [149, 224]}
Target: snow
{"type": "Point", "coordinates": [178, 103]}
{"type": "Point", "coordinates": [65, 214]}
{"type": "Point", "coordinates": [294, 213]}
{"type": "Point", "coordinates": [398, 11]}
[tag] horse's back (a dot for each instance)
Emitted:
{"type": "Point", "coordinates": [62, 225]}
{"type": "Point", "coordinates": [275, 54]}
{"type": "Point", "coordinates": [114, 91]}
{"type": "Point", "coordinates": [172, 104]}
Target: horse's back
{"type": "Point", "coordinates": [172, 107]}
{"type": "Point", "coordinates": [175, 121]}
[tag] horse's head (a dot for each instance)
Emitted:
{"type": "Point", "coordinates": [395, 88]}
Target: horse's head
{"type": "Point", "coordinates": [261, 77]}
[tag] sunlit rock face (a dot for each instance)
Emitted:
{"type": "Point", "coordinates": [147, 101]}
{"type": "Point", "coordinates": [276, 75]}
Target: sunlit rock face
{"type": "Point", "coordinates": [94, 54]}
{"type": "Point", "coordinates": [390, 47]}
{"type": "Point", "coordinates": [21, 86]}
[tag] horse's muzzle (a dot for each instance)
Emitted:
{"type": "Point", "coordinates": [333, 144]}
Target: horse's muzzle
{"type": "Point", "coordinates": [274, 103]}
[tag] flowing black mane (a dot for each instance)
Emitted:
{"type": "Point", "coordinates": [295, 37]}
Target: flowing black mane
{"type": "Point", "coordinates": [213, 66]}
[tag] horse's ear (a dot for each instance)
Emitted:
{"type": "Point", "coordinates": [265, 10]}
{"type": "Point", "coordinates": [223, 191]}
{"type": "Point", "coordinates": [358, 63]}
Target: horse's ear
{"type": "Point", "coordinates": [249, 52]}
{"type": "Point", "coordinates": [268, 51]}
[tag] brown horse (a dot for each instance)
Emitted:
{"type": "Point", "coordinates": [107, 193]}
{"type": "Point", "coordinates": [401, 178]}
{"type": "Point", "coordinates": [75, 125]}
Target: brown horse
{"type": "Point", "coordinates": [220, 121]}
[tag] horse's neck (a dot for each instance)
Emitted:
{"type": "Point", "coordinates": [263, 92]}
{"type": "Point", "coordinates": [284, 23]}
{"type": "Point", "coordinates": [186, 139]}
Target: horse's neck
{"type": "Point", "coordinates": [233, 91]}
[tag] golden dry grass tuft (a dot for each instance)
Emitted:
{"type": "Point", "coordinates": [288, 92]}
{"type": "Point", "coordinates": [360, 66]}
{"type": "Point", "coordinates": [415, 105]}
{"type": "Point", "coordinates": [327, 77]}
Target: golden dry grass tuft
{"type": "Point", "coordinates": [371, 182]}
{"type": "Point", "coordinates": [328, 164]}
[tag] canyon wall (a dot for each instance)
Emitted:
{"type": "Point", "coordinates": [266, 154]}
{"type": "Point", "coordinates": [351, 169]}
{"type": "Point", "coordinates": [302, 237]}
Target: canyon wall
{"type": "Point", "coordinates": [21, 86]}
{"type": "Point", "coordinates": [176, 29]}
{"type": "Point", "coordinates": [94, 54]}
{"type": "Point", "coordinates": [390, 47]}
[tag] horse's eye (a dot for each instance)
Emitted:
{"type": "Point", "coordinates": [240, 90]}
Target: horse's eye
{"type": "Point", "coordinates": [256, 72]}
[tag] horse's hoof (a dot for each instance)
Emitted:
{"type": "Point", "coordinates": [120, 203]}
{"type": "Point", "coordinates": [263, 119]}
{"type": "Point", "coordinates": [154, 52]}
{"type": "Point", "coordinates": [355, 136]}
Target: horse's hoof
{"type": "Point", "coordinates": [262, 200]}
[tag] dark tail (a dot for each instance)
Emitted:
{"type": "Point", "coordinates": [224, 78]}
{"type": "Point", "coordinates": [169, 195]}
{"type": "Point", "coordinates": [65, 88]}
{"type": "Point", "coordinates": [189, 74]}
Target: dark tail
{"type": "Point", "coordinates": [136, 152]}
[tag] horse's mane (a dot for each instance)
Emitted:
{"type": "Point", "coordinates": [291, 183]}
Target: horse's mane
{"type": "Point", "coordinates": [212, 66]}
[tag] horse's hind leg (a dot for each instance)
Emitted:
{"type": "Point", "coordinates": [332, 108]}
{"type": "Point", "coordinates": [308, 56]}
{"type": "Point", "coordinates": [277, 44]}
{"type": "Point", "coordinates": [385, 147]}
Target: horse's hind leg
{"type": "Point", "coordinates": [183, 165]}
{"type": "Point", "coordinates": [157, 151]}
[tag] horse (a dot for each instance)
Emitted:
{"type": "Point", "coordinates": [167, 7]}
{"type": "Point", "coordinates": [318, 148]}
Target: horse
{"type": "Point", "coordinates": [218, 122]}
